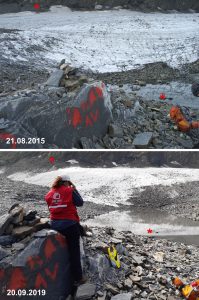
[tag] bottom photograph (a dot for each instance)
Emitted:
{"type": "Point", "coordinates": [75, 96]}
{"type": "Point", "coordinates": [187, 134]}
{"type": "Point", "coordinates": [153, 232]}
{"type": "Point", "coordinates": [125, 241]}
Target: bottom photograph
{"type": "Point", "coordinates": [99, 225]}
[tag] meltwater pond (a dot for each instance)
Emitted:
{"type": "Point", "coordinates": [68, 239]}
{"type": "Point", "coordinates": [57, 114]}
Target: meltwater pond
{"type": "Point", "coordinates": [162, 224]}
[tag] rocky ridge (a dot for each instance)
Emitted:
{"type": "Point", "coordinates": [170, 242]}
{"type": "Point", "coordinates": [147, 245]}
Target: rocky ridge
{"type": "Point", "coordinates": [142, 5]}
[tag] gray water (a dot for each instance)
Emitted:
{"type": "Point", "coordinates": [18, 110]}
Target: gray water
{"type": "Point", "coordinates": [162, 224]}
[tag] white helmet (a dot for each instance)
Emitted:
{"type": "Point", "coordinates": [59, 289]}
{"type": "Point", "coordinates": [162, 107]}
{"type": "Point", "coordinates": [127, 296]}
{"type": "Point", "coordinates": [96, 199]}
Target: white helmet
{"type": "Point", "coordinates": [65, 178]}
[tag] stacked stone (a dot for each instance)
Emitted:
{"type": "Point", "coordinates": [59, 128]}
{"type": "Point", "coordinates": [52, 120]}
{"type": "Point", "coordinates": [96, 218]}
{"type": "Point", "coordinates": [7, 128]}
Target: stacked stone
{"type": "Point", "coordinates": [18, 224]}
{"type": "Point", "coordinates": [68, 77]}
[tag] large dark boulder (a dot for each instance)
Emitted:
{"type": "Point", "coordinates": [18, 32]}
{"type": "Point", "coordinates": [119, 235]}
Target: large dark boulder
{"type": "Point", "coordinates": [62, 123]}
{"type": "Point", "coordinates": [43, 265]}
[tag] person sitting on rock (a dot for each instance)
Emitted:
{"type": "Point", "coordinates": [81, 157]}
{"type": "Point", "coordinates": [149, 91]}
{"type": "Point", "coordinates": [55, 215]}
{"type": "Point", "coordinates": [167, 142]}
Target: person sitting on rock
{"type": "Point", "coordinates": [62, 200]}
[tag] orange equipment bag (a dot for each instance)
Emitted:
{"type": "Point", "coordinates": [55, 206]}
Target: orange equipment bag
{"type": "Point", "coordinates": [180, 120]}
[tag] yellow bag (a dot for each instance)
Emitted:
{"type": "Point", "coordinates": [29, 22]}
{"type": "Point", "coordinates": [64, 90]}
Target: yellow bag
{"type": "Point", "coordinates": [186, 291]}
{"type": "Point", "coordinates": [113, 256]}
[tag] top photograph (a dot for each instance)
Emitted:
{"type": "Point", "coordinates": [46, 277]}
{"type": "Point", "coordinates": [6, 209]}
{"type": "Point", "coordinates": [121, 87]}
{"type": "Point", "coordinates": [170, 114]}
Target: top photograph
{"type": "Point", "coordinates": [99, 74]}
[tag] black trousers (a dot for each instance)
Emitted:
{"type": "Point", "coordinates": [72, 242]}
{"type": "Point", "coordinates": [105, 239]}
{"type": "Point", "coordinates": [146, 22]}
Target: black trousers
{"type": "Point", "coordinates": [72, 234]}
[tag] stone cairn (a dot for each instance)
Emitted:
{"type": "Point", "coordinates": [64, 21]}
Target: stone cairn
{"type": "Point", "coordinates": [68, 77]}
{"type": "Point", "coordinates": [18, 225]}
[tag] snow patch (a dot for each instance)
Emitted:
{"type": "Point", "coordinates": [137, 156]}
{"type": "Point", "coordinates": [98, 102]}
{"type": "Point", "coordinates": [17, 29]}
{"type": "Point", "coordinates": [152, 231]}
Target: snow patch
{"type": "Point", "coordinates": [111, 186]}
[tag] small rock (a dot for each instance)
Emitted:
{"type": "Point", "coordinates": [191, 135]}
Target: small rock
{"type": "Point", "coordinates": [98, 7]}
{"type": "Point", "coordinates": [139, 270]}
{"type": "Point", "coordinates": [13, 206]}
{"type": "Point", "coordinates": [55, 78]}
{"type": "Point", "coordinates": [30, 215]}
{"type": "Point", "coordinates": [144, 294]}
{"type": "Point", "coordinates": [62, 62]}
{"type": "Point", "coordinates": [115, 131]}
{"type": "Point", "coordinates": [143, 140]}
{"type": "Point", "coordinates": [18, 246]}
{"type": "Point", "coordinates": [103, 296]}
{"type": "Point", "coordinates": [137, 259]}
{"type": "Point", "coordinates": [114, 290]}
{"type": "Point", "coordinates": [7, 240]}
{"type": "Point", "coordinates": [124, 296]}
{"type": "Point", "coordinates": [63, 66]}
{"type": "Point", "coordinates": [85, 291]}
{"type": "Point", "coordinates": [120, 285]}
{"type": "Point", "coordinates": [23, 231]}
{"type": "Point", "coordinates": [87, 143]}
{"type": "Point", "coordinates": [9, 229]}
{"type": "Point", "coordinates": [141, 83]}
{"type": "Point", "coordinates": [115, 240]}
{"type": "Point", "coordinates": [171, 298]}
{"type": "Point", "coordinates": [99, 245]}
{"type": "Point", "coordinates": [3, 253]}
{"type": "Point", "coordinates": [16, 211]}
{"type": "Point", "coordinates": [18, 219]}
{"type": "Point", "coordinates": [128, 103]}
{"type": "Point", "coordinates": [72, 84]}
{"type": "Point", "coordinates": [100, 294]}
{"type": "Point", "coordinates": [159, 256]}
{"type": "Point", "coordinates": [33, 222]}
{"type": "Point", "coordinates": [128, 283]}
{"type": "Point", "coordinates": [5, 220]}
{"type": "Point", "coordinates": [43, 224]}
{"type": "Point", "coordinates": [43, 233]}
{"type": "Point", "coordinates": [135, 278]}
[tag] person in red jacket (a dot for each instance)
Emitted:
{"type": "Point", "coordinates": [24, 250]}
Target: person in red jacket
{"type": "Point", "coordinates": [62, 200]}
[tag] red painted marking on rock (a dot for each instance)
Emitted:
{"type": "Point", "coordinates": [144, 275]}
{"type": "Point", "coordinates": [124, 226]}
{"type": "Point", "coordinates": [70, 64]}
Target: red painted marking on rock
{"type": "Point", "coordinates": [77, 119]}
{"type": "Point", "coordinates": [34, 261]}
{"type": "Point", "coordinates": [2, 272]}
{"type": "Point", "coordinates": [99, 92]}
{"type": "Point", "coordinates": [49, 249]}
{"type": "Point", "coordinates": [40, 282]}
{"type": "Point", "coordinates": [87, 115]}
{"type": "Point", "coordinates": [53, 274]}
{"type": "Point", "coordinates": [92, 97]}
{"type": "Point", "coordinates": [95, 115]}
{"type": "Point", "coordinates": [17, 280]}
{"type": "Point", "coordinates": [85, 106]}
{"type": "Point", "coordinates": [149, 230]}
{"type": "Point", "coordinates": [5, 136]}
{"type": "Point", "coordinates": [61, 239]}
{"type": "Point", "coordinates": [88, 121]}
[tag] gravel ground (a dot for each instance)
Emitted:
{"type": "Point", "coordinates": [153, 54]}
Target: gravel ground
{"type": "Point", "coordinates": [139, 256]}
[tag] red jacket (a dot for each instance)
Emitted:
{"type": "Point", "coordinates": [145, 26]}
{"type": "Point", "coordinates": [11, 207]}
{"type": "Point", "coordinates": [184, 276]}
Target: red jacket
{"type": "Point", "coordinates": [60, 204]}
